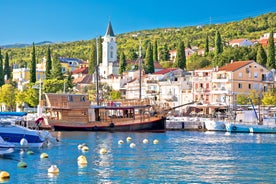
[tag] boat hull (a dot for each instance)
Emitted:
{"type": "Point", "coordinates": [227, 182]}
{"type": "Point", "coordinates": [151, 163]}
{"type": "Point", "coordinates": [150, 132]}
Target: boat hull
{"type": "Point", "coordinates": [237, 128]}
{"type": "Point", "coordinates": [214, 125]}
{"type": "Point", "coordinates": [156, 125]}
{"type": "Point", "coordinates": [263, 129]}
{"type": "Point", "coordinates": [14, 134]}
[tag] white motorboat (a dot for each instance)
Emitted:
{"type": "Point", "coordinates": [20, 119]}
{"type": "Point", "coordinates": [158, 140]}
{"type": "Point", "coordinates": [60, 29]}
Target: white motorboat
{"type": "Point", "coordinates": [212, 125]}
{"type": "Point", "coordinates": [6, 147]}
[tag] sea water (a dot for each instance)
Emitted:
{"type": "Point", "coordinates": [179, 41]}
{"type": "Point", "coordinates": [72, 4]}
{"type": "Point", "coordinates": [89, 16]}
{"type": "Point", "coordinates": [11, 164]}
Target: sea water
{"type": "Point", "coordinates": [177, 157]}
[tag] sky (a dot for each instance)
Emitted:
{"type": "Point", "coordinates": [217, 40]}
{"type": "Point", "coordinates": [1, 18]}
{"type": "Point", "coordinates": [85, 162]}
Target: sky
{"type": "Point", "coordinates": [28, 21]}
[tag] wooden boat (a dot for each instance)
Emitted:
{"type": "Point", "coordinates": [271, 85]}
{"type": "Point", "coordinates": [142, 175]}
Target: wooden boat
{"type": "Point", "coordinates": [73, 112]}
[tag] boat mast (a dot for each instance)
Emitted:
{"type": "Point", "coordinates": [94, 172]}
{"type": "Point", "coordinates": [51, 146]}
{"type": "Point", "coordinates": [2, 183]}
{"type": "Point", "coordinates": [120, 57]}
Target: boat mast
{"type": "Point", "coordinates": [97, 74]}
{"type": "Point", "coordinates": [140, 71]}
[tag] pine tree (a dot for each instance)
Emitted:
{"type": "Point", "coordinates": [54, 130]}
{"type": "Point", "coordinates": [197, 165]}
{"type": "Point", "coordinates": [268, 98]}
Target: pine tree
{"type": "Point", "coordinates": [123, 63]}
{"type": "Point", "coordinates": [48, 64]}
{"type": "Point", "coordinates": [218, 44]}
{"type": "Point", "coordinates": [271, 52]}
{"type": "Point", "coordinates": [149, 63]}
{"type": "Point", "coordinates": [93, 61]}
{"type": "Point", "coordinates": [155, 51]}
{"type": "Point", "coordinates": [2, 81]}
{"type": "Point", "coordinates": [180, 60]}
{"type": "Point", "coordinates": [7, 68]}
{"type": "Point", "coordinates": [33, 66]}
{"type": "Point", "coordinates": [56, 72]}
{"type": "Point", "coordinates": [206, 48]}
{"type": "Point", "coordinates": [261, 57]}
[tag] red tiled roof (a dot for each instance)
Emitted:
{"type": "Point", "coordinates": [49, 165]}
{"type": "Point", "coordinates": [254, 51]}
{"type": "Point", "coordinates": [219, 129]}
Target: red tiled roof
{"type": "Point", "coordinates": [158, 66]}
{"type": "Point", "coordinates": [237, 40]}
{"type": "Point", "coordinates": [86, 79]}
{"type": "Point", "coordinates": [83, 70]}
{"type": "Point", "coordinates": [234, 66]}
{"type": "Point", "coordinates": [167, 70]}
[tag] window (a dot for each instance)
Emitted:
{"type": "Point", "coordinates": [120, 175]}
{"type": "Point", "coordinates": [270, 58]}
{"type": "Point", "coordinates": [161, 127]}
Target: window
{"type": "Point", "coordinates": [70, 98]}
{"type": "Point", "coordinates": [111, 54]}
{"type": "Point", "coordinates": [240, 85]}
{"type": "Point", "coordinates": [249, 86]}
{"type": "Point", "coordinates": [255, 74]}
{"type": "Point", "coordinates": [240, 75]}
{"type": "Point", "coordinates": [256, 86]}
{"type": "Point", "coordinates": [82, 98]}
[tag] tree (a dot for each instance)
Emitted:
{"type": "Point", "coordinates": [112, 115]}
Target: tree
{"type": "Point", "coordinates": [269, 98]}
{"type": "Point", "coordinates": [271, 52]}
{"type": "Point", "coordinates": [218, 44]}
{"type": "Point", "coordinates": [155, 51]}
{"type": "Point", "coordinates": [7, 68]}
{"type": "Point", "coordinates": [8, 96]}
{"type": "Point", "coordinates": [53, 85]}
{"type": "Point", "coordinates": [206, 48]}
{"type": "Point", "coordinates": [33, 66]}
{"type": "Point", "coordinates": [56, 72]}
{"type": "Point", "coordinates": [32, 95]}
{"type": "Point", "coordinates": [93, 60]}
{"type": "Point", "coordinates": [115, 95]}
{"type": "Point", "coordinates": [2, 80]}
{"type": "Point", "coordinates": [100, 50]}
{"type": "Point", "coordinates": [149, 63]}
{"type": "Point", "coordinates": [48, 64]}
{"type": "Point", "coordinates": [123, 63]}
{"type": "Point", "coordinates": [261, 56]}
{"type": "Point", "coordinates": [180, 60]}
{"type": "Point", "coordinates": [164, 53]}
{"type": "Point", "coordinates": [69, 82]}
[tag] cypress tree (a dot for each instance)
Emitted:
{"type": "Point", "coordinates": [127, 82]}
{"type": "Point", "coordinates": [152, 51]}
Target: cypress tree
{"type": "Point", "coordinates": [122, 64]}
{"type": "Point", "coordinates": [33, 66]}
{"type": "Point", "coordinates": [271, 52]}
{"type": "Point", "coordinates": [56, 72]}
{"type": "Point", "coordinates": [93, 60]}
{"type": "Point", "coordinates": [69, 82]}
{"type": "Point", "coordinates": [7, 68]}
{"type": "Point", "coordinates": [48, 64]}
{"type": "Point", "coordinates": [155, 51]}
{"type": "Point", "coordinates": [2, 81]}
{"type": "Point", "coordinates": [100, 50]}
{"type": "Point", "coordinates": [218, 44]}
{"type": "Point", "coordinates": [261, 57]}
{"type": "Point", "coordinates": [149, 63]}
{"type": "Point", "coordinates": [206, 48]}
{"type": "Point", "coordinates": [180, 60]}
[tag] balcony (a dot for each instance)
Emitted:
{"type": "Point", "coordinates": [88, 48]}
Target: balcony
{"type": "Point", "coordinates": [221, 79]}
{"type": "Point", "coordinates": [152, 81]}
{"type": "Point", "coordinates": [151, 91]}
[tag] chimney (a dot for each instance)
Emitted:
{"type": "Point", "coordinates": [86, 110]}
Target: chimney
{"type": "Point", "coordinates": [232, 61]}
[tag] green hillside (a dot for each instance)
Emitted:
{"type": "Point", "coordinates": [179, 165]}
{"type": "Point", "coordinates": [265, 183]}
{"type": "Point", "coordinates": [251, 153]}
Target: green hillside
{"type": "Point", "coordinates": [250, 28]}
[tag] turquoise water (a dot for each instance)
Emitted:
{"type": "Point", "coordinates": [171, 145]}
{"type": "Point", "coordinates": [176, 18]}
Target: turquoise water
{"type": "Point", "coordinates": [179, 157]}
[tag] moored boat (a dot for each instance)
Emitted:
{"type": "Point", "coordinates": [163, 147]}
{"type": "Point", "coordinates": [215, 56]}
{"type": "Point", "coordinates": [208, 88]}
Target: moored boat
{"type": "Point", "coordinates": [5, 147]}
{"type": "Point", "coordinates": [73, 112]}
{"type": "Point", "coordinates": [21, 136]}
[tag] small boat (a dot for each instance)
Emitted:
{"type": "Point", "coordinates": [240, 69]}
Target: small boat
{"type": "Point", "coordinates": [5, 147]}
{"type": "Point", "coordinates": [21, 136]}
{"type": "Point", "coordinates": [73, 112]}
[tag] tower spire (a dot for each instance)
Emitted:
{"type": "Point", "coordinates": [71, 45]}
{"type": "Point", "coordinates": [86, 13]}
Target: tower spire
{"type": "Point", "coordinates": [109, 30]}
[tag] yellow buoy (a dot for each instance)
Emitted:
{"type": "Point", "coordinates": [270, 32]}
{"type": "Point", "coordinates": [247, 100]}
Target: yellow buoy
{"type": "Point", "coordinates": [103, 151]}
{"type": "Point", "coordinates": [132, 145]}
{"type": "Point", "coordinates": [145, 141]}
{"type": "Point", "coordinates": [120, 142]}
{"type": "Point", "coordinates": [85, 148]}
{"type": "Point", "coordinates": [4, 175]}
{"type": "Point", "coordinates": [22, 164]}
{"type": "Point", "coordinates": [82, 160]}
{"type": "Point", "coordinates": [128, 139]}
{"type": "Point", "coordinates": [53, 169]}
{"type": "Point", "coordinates": [44, 155]}
{"type": "Point", "coordinates": [155, 141]}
